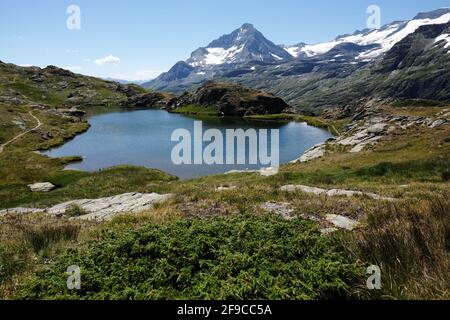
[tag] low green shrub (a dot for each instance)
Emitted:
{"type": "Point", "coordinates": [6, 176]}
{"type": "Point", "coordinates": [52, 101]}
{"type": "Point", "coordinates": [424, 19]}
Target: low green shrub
{"type": "Point", "coordinates": [408, 169]}
{"type": "Point", "coordinates": [243, 257]}
{"type": "Point", "coordinates": [75, 210]}
{"type": "Point", "coordinates": [14, 259]}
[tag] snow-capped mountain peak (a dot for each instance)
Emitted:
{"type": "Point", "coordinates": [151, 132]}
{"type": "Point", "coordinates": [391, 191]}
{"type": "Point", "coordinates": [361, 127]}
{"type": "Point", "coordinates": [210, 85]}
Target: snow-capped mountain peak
{"type": "Point", "coordinates": [385, 37]}
{"type": "Point", "coordinates": [242, 45]}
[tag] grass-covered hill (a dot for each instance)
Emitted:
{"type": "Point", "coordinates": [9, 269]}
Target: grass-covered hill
{"type": "Point", "coordinates": [228, 99]}
{"type": "Point", "coordinates": [58, 87]}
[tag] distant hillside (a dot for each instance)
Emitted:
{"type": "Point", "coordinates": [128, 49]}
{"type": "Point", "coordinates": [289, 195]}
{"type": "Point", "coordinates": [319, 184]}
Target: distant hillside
{"type": "Point", "coordinates": [61, 88]}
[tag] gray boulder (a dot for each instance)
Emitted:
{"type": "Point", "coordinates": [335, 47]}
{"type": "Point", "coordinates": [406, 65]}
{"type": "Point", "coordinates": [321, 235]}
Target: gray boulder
{"type": "Point", "coordinates": [41, 187]}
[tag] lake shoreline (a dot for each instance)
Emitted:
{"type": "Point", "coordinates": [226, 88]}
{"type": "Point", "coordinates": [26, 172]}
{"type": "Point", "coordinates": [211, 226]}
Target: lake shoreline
{"type": "Point", "coordinates": [144, 120]}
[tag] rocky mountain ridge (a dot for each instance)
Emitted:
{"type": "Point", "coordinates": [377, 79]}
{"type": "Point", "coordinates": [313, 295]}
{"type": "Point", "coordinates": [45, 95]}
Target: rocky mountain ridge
{"type": "Point", "coordinates": [333, 73]}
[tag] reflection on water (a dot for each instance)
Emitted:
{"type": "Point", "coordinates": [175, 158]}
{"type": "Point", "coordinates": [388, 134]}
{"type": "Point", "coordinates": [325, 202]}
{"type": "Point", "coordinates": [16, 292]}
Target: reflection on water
{"type": "Point", "coordinates": [143, 138]}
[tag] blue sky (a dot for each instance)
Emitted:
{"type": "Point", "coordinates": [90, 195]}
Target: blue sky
{"type": "Point", "coordinates": [150, 36]}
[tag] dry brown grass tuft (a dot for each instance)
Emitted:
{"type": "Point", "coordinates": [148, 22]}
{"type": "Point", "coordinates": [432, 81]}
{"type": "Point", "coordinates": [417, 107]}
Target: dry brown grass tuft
{"type": "Point", "coordinates": [409, 241]}
{"type": "Point", "coordinates": [160, 213]}
{"type": "Point", "coordinates": [27, 241]}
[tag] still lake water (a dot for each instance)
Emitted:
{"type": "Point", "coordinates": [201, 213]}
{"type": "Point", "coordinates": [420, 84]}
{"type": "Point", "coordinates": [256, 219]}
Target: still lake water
{"type": "Point", "coordinates": [143, 138]}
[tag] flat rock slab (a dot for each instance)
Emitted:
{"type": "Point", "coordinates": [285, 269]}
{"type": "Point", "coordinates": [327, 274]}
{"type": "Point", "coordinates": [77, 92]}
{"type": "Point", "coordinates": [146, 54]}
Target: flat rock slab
{"type": "Point", "coordinates": [41, 187]}
{"type": "Point", "coordinates": [315, 152]}
{"type": "Point", "coordinates": [102, 209]}
{"type": "Point", "coordinates": [332, 192]}
{"type": "Point", "coordinates": [327, 231]}
{"type": "Point", "coordinates": [306, 189]}
{"type": "Point", "coordinates": [281, 209]}
{"type": "Point", "coordinates": [342, 222]}
{"type": "Point", "coordinates": [226, 188]}
{"type": "Point", "coordinates": [265, 172]}
{"type": "Point", "coordinates": [106, 208]}
{"type": "Point", "coordinates": [20, 211]}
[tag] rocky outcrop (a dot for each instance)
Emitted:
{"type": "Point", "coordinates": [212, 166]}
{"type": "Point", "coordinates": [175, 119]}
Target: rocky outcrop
{"type": "Point", "coordinates": [332, 192]}
{"type": "Point", "coordinates": [369, 125]}
{"type": "Point", "coordinates": [147, 100]}
{"type": "Point", "coordinates": [364, 136]}
{"type": "Point", "coordinates": [58, 71]}
{"type": "Point", "coordinates": [102, 209]}
{"type": "Point", "coordinates": [375, 128]}
{"type": "Point", "coordinates": [106, 208]}
{"type": "Point", "coordinates": [231, 100]}
{"type": "Point", "coordinates": [41, 187]}
{"type": "Point", "coordinates": [129, 90]}
{"type": "Point", "coordinates": [73, 112]}
{"type": "Point", "coordinates": [315, 152]}
{"type": "Point", "coordinates": [284, 210]}
{"type": "Point", "coordinates": [20, 210]}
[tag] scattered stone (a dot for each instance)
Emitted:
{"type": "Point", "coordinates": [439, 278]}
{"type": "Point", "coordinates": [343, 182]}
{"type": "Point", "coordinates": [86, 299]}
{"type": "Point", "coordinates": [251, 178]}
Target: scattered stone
{"type": "Point", "coordinates": [41, 187]}
{"type": "Point", "coordinates": [226, 188]}
{"type": "Point", "coordinates": [241, 171]}
{"type": "Point", "coordinates": [342, 222]}
{"type": "Point", "coordinates": [377, 128]}
{"type": "Point", "coordinates": [327, 231]}
{"type": "Point", "coordinates": [310, 217]}
{"type": "Point", "coordinates": [332, 192]}
{"type": "Point", "coordinates": [20, 124]}
{"type": "Point", "coordinates": [306, 189]}
{"type": "Point", "coordinates": [62, 84]}
{"type": "Point", "coordinates": [46, 135]}
{"type": "Point", "coordinates": [368, 128]}
{"type": "Point", "coordinates": [343, 193]}
{"type": "Point", "coordinates": [438, 123]}
{"type": "Point", "coordinates": [281, 209]}
{"type": "Point", "coordinates": [268, 172]}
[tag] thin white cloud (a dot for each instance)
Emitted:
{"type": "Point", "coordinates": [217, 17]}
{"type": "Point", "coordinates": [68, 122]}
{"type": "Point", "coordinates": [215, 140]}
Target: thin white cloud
{"type": "Point", "coordinates": [25, 65]}
{"type": "Point", "coordinates": [72, 68]}
{"type": "Point", "coordinates": [139, 75]}
{"type": "Point", "coordinates": [107, 60]}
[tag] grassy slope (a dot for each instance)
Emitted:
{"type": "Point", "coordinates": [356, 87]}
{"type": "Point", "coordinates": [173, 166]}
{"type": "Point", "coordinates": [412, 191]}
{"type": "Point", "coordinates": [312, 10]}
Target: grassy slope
{"type": "Point", "coordinates": [334, 127]}
{"type": "Point", "coordinates": [197, 110]}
